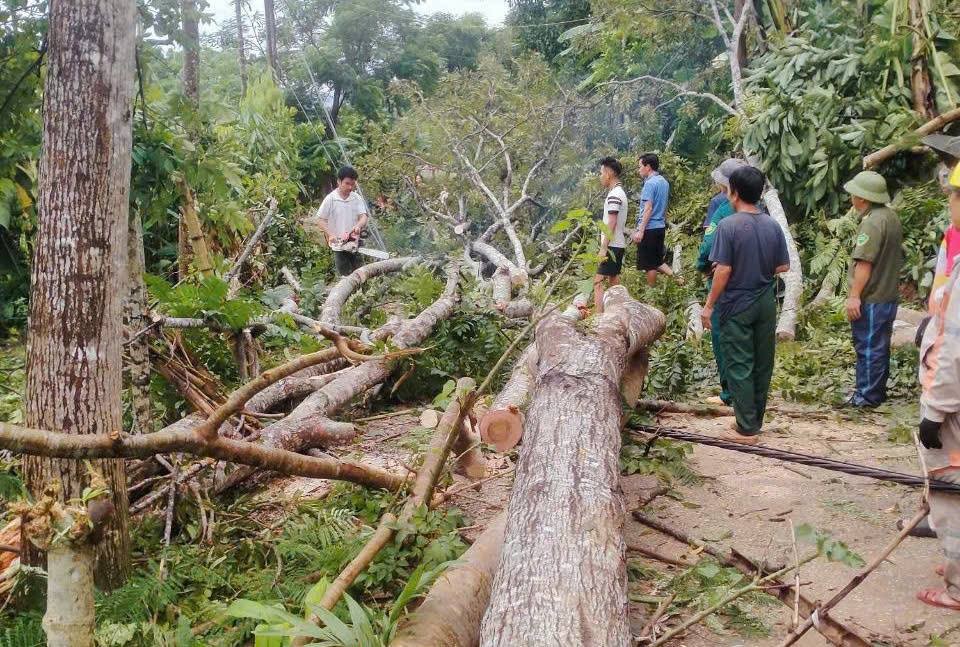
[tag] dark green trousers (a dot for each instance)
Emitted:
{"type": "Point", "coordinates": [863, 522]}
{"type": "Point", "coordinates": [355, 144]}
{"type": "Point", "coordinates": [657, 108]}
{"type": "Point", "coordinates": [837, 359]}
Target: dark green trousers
{"type": "Point", "coordinates": [748, 343]}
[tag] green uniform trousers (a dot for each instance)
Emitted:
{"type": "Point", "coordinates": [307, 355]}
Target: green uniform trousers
{"type": "Point", "coordinates": [747, 344]}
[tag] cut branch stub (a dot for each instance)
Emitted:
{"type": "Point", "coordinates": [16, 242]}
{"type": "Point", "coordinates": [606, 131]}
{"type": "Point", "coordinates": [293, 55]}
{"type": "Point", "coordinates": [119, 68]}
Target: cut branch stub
{"type": "Point", "coordinates": [502, 424]}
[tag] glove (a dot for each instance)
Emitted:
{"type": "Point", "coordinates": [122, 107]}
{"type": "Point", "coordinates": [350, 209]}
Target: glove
{"type": "Point", "coordinates": [930, 434]}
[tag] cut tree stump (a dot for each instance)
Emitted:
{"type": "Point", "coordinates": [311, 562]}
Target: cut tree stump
{"type": "Point", "coordinates": [562, 577]}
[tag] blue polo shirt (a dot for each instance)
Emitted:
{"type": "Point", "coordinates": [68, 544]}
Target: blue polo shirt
{"type": "Point", "coordinates": [656, 191]}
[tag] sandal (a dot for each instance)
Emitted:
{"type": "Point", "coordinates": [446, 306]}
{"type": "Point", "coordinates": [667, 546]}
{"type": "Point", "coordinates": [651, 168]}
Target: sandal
{"type": "Point", "coordinates": [938, 598]}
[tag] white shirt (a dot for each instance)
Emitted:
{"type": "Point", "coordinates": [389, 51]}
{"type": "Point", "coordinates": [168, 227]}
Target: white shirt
{"type": "Point", "coordinates": [617, 202]}
{"type": "Point", "coordinates": [341, 215]}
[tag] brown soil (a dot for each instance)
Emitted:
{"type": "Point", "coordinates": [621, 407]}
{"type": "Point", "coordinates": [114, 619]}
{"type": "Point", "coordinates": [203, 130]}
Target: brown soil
{"type": "Point", "coordinates": [747, 502]}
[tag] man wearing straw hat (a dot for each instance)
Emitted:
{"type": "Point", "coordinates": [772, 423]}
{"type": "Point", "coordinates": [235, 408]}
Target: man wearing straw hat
{"type": "Point", "coordinates": [874, 286]}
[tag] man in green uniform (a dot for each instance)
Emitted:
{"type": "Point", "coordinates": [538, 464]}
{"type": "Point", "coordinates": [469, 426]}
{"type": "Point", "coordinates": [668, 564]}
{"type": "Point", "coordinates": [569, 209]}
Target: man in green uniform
{"type": "Point", "coordinates": [722, 209]}
{"type": "Point", "coordinates": [749, 251]}
{"type": "Point", "coordinates": [877, 259]}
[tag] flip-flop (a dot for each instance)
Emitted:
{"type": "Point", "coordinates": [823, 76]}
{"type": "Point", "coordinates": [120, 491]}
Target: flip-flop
{"type": "Point", "coordinates": [938, 598]}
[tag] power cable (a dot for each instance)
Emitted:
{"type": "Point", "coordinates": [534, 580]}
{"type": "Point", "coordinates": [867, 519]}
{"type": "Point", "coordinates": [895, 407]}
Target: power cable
{"type": "Point", "coordinates": [654, 432]}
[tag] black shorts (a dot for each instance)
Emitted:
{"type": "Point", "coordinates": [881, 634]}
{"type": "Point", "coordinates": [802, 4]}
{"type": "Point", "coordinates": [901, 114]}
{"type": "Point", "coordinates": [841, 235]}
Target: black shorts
{"type": "Point", "coordinates": [614, 263]}
{"type": "Point", "coordinates": [652, 250]}
{"type": "Point", "coordinates": [347, 262]}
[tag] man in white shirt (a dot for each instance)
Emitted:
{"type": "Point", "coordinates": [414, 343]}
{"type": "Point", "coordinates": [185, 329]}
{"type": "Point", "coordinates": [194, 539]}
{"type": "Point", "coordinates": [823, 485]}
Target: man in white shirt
{"type": "Point", "coordinates": [615, 209]}
{"type": "Point", "coordinates": [342, 217]}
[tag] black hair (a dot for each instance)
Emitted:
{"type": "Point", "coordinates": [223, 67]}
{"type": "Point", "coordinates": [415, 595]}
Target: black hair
{"type": "Point", "coordinates": [347, 172]}
{"type": "Point", "coordinates": [613, 164]}
{"type": "Point", "coordinates": [748, 183]}
{"type": "Point", "coordinates": [651, 160]}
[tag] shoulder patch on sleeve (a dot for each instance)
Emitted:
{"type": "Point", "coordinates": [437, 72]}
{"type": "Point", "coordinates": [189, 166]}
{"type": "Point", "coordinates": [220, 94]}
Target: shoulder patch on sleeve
{"type": "Point", "coordinates": [862, 239]}
{"type": "Point", "coordinates": [712, 228]}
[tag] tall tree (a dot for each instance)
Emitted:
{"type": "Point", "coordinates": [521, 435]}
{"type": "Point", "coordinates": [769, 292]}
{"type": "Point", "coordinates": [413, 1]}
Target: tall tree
{"type": "Point", "coordinates": [241, 48]}
{"type": "Point", "coordinates": [74, 361]}
{"type": "Point", "coordinates": [270, 27]}
{"type": "Point", "coordinates": [191, 50]}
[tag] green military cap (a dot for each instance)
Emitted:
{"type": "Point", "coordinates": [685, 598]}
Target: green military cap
{"type": "Point", "coordinates": [869, 185]}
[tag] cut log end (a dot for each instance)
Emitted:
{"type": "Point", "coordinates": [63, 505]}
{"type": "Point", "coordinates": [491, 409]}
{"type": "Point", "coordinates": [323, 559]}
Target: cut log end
{"type": "Point", "coordinates": [502, 428]}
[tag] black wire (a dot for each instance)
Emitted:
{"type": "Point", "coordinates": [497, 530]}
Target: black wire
{"type": "Point", "coordinates": [844, 467]}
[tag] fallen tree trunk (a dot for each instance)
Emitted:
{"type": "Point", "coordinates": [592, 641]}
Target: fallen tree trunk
{"type": "Point", "coordinates": [309, 424]}
{"type": "Point", "coordinates": [451, 613]}
{"type": "Point", "coordinates": [332, 307]}
{"type": "Point", "coordinates": [562, 575]}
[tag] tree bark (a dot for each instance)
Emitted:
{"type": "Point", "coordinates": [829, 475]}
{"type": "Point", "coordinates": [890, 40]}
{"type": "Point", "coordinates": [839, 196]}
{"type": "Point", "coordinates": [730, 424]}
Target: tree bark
{"type": "Point", "coordinates": [69, 620]}
{"type": "Point", "coordinates": [451, 613]}
{"type": "Point", "coordinates": [793, 278]}
{"type": "Point", "coordinates": [241, 47]}
{"type": "Point", "coordinates": [74, 360]}
{"type": "Point", "coordinates": [191, 51]}
{"type": "Point", "coordinates": [331, 312]}
{"type": "Point", "coordinates": [137, 317]}
{"type": "Point", "coordinates": [921, 85]}
{"type": "Point", "coordinates": [562, 576]}
{"type": "Point", "coordinates": [936, 124]}
{"type": "Point", "coordinates": [270, 27]}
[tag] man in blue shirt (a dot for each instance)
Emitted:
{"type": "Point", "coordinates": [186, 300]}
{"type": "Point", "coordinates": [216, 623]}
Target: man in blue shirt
{"type": "Point", "coordinates": [650, 235]}
{"type": "Point", "coordinates": [749, 251]}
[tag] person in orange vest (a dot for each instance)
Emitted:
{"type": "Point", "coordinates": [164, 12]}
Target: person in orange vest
{"type": "Point", "coordinates": [939, 429]}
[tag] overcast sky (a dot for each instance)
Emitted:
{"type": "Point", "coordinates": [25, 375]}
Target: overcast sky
{"type": "Point", "coordinates": [493, 10]}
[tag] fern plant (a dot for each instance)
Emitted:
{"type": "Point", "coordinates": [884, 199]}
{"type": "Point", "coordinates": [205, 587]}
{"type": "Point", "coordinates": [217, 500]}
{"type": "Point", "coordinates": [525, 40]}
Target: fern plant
{"type": "Point", "coordinates": [25, 631]}
{"type": "Point", "coordinates": [365, 628]}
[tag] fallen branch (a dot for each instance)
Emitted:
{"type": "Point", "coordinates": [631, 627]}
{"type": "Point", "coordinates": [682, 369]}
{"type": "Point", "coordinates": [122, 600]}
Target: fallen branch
{"type": "Point", "coordinates": [450, 614]}
{"type": "Point", "coordinates": [648, 628]}
{"type": "Point", "coordinates": [719, 411]}
{"type": "Point", "coordinates": [834, 631]}
{"type": "Point", "coordinates": [332, 307]}
{"type": "Point", "coordinates": [251, 245]}
{"type": "Point", "coordinates": [879, 157]}
{"type": "Point", "coordinates": [420, 496]}
{"type": "Point", "coordinates": [54, 444]}
{"type": "Point", "coordinates": [823, 610]}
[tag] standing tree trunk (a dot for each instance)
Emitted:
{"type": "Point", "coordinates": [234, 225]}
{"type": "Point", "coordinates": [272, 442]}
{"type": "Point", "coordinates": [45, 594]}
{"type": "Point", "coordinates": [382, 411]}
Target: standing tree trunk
{"type": "Point", "coordinates": [74, 363]}
{"type": "Point", "coordinates": [562, 577]}
{"type": "Point", "coordinates": [924, 97]}
{"type": "Point", "coordinates": [137, 318]}
{"type": "Point", "coordinates": [270, 27]}
{"type": "Point", "coordinates": [191, 51]}
{"type": "Point", "coordinates": [241, 48]}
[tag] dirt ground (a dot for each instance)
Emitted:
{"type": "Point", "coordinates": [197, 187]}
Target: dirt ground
{"type": "Point", "coordinates": [746, 502]}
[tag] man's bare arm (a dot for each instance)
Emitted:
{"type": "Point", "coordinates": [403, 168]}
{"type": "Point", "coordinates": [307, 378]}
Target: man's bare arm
{"type": "Point", "coordinates": [721, 276]}
{"type": "Point", "coordinates": [782, 269]}
{"type": "Point", "coordinates": [611, 222]}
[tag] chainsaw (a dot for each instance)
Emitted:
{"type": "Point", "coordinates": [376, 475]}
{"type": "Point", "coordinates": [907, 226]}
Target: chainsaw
{"type": "Point", "coordinates": [352, 245]}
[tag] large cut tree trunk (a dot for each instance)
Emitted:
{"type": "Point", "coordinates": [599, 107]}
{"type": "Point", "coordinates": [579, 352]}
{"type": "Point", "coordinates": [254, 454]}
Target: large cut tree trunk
{"type": "Point", "coordinates": [562, 577]}
{"type": "Point", "coordinates": [74, 364]}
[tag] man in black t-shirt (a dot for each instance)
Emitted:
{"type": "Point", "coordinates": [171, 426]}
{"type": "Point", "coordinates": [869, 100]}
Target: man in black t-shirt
{"type": "Point", "coordinates": [748, 252]}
